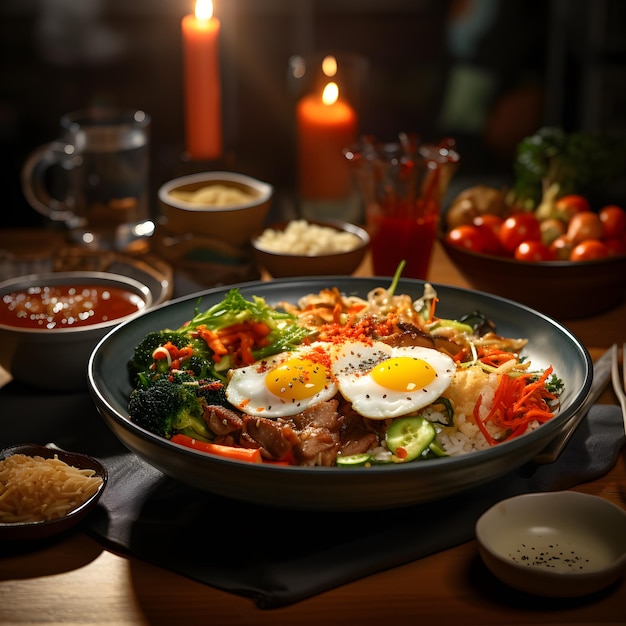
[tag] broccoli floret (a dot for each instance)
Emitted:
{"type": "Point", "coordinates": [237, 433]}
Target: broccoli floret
{"type": "Point", "coordinates": [213, 392]}
{"type": "Point", "coordinates": [142, 364]}
{"type": "Point", "coordinates": [142, 358]}
{"type": "Point", "coordinates": [552, 163]}
{"type": "Point", "coordinates": [170, 404]}
{"type": "Point", "coordinates": [200, 366]}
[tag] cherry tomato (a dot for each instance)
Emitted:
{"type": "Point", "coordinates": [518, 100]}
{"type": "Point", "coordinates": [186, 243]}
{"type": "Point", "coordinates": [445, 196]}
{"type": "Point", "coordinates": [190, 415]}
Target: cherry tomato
{"type": "Point", "coordinates": [567, 206]}
{"type": "Point", "coordinates": [533, 251]}
{"type": "Point", "coordinates": [466, 236]}
{"type": "Point", "coordinates": [517, 228]}
{"type": "Point", "coordinates": [613, 220]}
{"type": "Point", "coordinates": [584, 225]}
{"type": "Point", "coordinates": [561, 248]}
{"type": "Point", "coordinates": [616, 246]}
{"type": "Point", "coordinates": [489, 225]}
{"type": "Point", "coordinates": [588, 250]}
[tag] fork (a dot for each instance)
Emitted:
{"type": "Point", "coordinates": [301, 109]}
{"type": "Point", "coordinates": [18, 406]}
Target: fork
{"type": "Point", "coordinates": [619, 386]}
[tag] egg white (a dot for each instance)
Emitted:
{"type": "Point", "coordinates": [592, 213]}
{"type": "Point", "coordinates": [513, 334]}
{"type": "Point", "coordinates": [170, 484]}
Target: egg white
{"type": "Point", "coordinates": [357, 365]}
{"type": "Point", "coordinates": [249, 388]}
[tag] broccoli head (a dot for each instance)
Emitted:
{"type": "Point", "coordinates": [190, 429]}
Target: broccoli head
{"type": "Point", "coordinates": [170, 404]}
{"type": "Point", "coordinates": [553, 161]}
{"type": "Point", "coordinates": [212, 392]}
{"type": "Point", "coordinates": [143, 365]}
{"type": "Point", "coordinates": [142, 358]}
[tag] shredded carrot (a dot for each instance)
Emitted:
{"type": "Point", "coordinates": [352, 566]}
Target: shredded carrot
{"type": "Point", "coordinates": [433, 306]}
{"type": "Point", "coordinates": [288, 459]}
{"type": "Point", "coordinates": [243, 354]}
{"type": "Point", "coordinates": [237, 340]}
{"type": "Point", "coordinates": [517, 402]}
{"type": "Point", "coordinates": [175, 356]}
{"type": "Point", "coordinates": [480, 422]}
{"type": "Point", "coordinates": [495, 357]}
{"type": "Point", "coordinates": [252, 455]}
{"type": "Point", "coordinates": [461, 355]}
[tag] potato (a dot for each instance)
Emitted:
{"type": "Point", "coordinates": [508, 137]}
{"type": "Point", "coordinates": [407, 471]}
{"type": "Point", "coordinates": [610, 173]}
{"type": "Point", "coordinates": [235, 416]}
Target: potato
{"type": "Point", "coordinates": [473, 201]}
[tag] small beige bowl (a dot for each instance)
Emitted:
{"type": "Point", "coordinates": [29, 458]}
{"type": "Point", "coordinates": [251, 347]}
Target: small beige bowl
{"type": "Point", "coordinates": [57, 359]}
{"type": "Point", "coordinates": [283, 264]}
{"type": "Point", "coordinates": [563, 544]}
{"type": "Point", "coordinates": [233, 224]}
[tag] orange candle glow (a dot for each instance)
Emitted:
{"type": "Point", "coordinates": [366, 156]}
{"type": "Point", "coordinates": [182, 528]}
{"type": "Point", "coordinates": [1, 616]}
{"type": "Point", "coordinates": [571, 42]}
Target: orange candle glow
{"type": "Point", "coordinates": [203, 94]}
{"type": "Point", "coordinates": [325, 126]}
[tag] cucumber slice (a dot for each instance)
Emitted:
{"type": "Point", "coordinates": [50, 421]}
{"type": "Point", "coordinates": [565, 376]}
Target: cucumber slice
{"type": "Point", "coordinates": [436, 449]}
{"type": "Point", "coordinates": [353, 460]}
{"type": "Point", "coordinates": [408, 437]}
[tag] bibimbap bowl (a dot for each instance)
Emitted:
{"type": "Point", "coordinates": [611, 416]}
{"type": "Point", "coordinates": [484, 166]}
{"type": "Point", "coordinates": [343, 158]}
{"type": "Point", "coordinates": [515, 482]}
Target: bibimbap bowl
{"type": "Point", "coordinates": [340, 488]}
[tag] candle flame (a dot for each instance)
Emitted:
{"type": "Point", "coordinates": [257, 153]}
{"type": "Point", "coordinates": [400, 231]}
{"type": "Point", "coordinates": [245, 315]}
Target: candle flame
{"type": "Point", "coordinates": [329, 65]}
{"type": "Point", "coordinates": [204, 9]}
{"type": "Point", "coordinates": [330, 94]}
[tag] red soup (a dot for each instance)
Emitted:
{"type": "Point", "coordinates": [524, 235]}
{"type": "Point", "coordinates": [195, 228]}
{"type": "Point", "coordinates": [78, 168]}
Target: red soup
{"type": "Point", "coordinates": [67, 306]}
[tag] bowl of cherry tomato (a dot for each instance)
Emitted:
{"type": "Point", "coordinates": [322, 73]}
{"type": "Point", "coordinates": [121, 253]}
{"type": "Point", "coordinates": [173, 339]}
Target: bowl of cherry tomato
{"type": "Point", "coordinates": [568, 262]}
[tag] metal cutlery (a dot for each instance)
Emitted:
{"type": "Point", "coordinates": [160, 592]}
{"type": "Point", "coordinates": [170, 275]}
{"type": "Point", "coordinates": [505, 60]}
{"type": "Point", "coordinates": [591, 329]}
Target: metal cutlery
{"type": "Point", "coordinates": [601, 377]}
{"type": "Point", "coordinates": [618, 386]}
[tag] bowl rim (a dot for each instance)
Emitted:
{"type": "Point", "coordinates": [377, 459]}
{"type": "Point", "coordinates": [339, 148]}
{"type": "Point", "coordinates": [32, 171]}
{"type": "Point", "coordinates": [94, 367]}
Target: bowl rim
{"type": "Point", "coordinates": [45, 528]}
{"type": "Point", "coordinates": [554, 500]}
{"type": "Point", "coordinates": [339, 225]}
{"type": "Point", "coordinates": [265, 190]}
{"type": "Point", "coordinates": [62, 278]}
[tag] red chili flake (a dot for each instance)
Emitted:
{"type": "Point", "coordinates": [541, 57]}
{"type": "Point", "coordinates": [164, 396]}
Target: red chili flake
{"type": "Point", "coordinates": [401, 453]}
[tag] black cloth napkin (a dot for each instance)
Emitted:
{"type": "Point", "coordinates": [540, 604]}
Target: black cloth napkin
{"type": "Point", "coordinates": [276, 557]}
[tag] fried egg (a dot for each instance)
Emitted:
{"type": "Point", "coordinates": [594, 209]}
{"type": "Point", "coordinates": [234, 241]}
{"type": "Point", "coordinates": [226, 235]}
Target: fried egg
{"type": "Point", "coordinates": [382, 381]}
{"type": "Point", "coordinates": [283, 384]}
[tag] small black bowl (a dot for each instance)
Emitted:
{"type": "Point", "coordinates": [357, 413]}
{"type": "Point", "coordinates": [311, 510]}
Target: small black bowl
{"type": "Point", "coordinates": [10, 531]}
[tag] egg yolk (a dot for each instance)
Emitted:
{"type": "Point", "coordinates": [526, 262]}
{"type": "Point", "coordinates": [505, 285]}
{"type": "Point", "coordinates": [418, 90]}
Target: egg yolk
{"type": "Point", "coordinates": [297, 379]}
{"type": "Point", "coordinates": [403, 373]}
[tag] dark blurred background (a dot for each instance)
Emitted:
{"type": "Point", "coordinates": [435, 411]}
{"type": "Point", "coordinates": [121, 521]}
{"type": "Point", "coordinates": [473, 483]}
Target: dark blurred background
{"type": "Point", "coordinates": [486, 72]}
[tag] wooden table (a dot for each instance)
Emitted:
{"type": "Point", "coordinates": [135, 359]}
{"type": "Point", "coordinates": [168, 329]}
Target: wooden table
{"type": "Point", "coordinates": [78, 581]}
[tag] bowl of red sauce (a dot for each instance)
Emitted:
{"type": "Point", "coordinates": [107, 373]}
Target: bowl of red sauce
{"type": "Point", "coordinates": [51, 322]}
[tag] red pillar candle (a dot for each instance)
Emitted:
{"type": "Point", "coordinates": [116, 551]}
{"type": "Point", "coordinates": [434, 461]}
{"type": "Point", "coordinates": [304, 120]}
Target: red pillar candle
{"type": "Point", "coordinates": [325, 126]}
{"type": "Point", "coordinates": [203, 94]}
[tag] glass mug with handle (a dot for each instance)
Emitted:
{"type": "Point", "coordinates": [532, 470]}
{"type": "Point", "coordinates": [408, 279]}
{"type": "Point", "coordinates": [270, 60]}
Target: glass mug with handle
{"type": "Point", "coordinates": [95, 177]}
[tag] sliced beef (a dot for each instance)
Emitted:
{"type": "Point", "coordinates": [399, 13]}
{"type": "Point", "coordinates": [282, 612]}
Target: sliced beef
{"type": "Point", "coordinates": [321, 415]}
{"type": "Point", "coordinates": [317, 447]}
{"type": "Point", "coordinates": [312, 437]}
{"type": "Point", "coordinates": [357, 436]}
{"type": "Point", "coordinates": [318, 430]}
{"type": "Point", "coordinates": [276, 438]}
{"type": "Point", "coordinates": [408, 335]}
{"type": "Point", "coordinates": [221, 420]}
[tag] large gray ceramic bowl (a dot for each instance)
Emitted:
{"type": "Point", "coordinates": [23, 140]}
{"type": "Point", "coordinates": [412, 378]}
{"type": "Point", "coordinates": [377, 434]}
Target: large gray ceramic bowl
{"type": "Point", "coordinates": [332, 488]}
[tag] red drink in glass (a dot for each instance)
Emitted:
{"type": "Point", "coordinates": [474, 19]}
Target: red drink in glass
{"type": "Point", "coordinates": [402, 232]}
{"type": "Point", "coordinates": [402, 185]}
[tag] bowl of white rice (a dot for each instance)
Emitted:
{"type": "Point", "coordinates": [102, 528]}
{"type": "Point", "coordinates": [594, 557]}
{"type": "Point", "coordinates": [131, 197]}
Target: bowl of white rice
{"type": "Point", "coordinates": [310, 248]}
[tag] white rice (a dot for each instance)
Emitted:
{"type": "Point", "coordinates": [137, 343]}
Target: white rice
{"type": "Point", "coordinates": [302, 237]}
{"type": "Point", "coordinates": [465, 436]}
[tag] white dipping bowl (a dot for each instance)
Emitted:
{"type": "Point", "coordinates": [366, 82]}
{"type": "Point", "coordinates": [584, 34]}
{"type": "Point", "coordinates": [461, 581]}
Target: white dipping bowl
{"type": "Point", "coordinates": [560, 544]}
